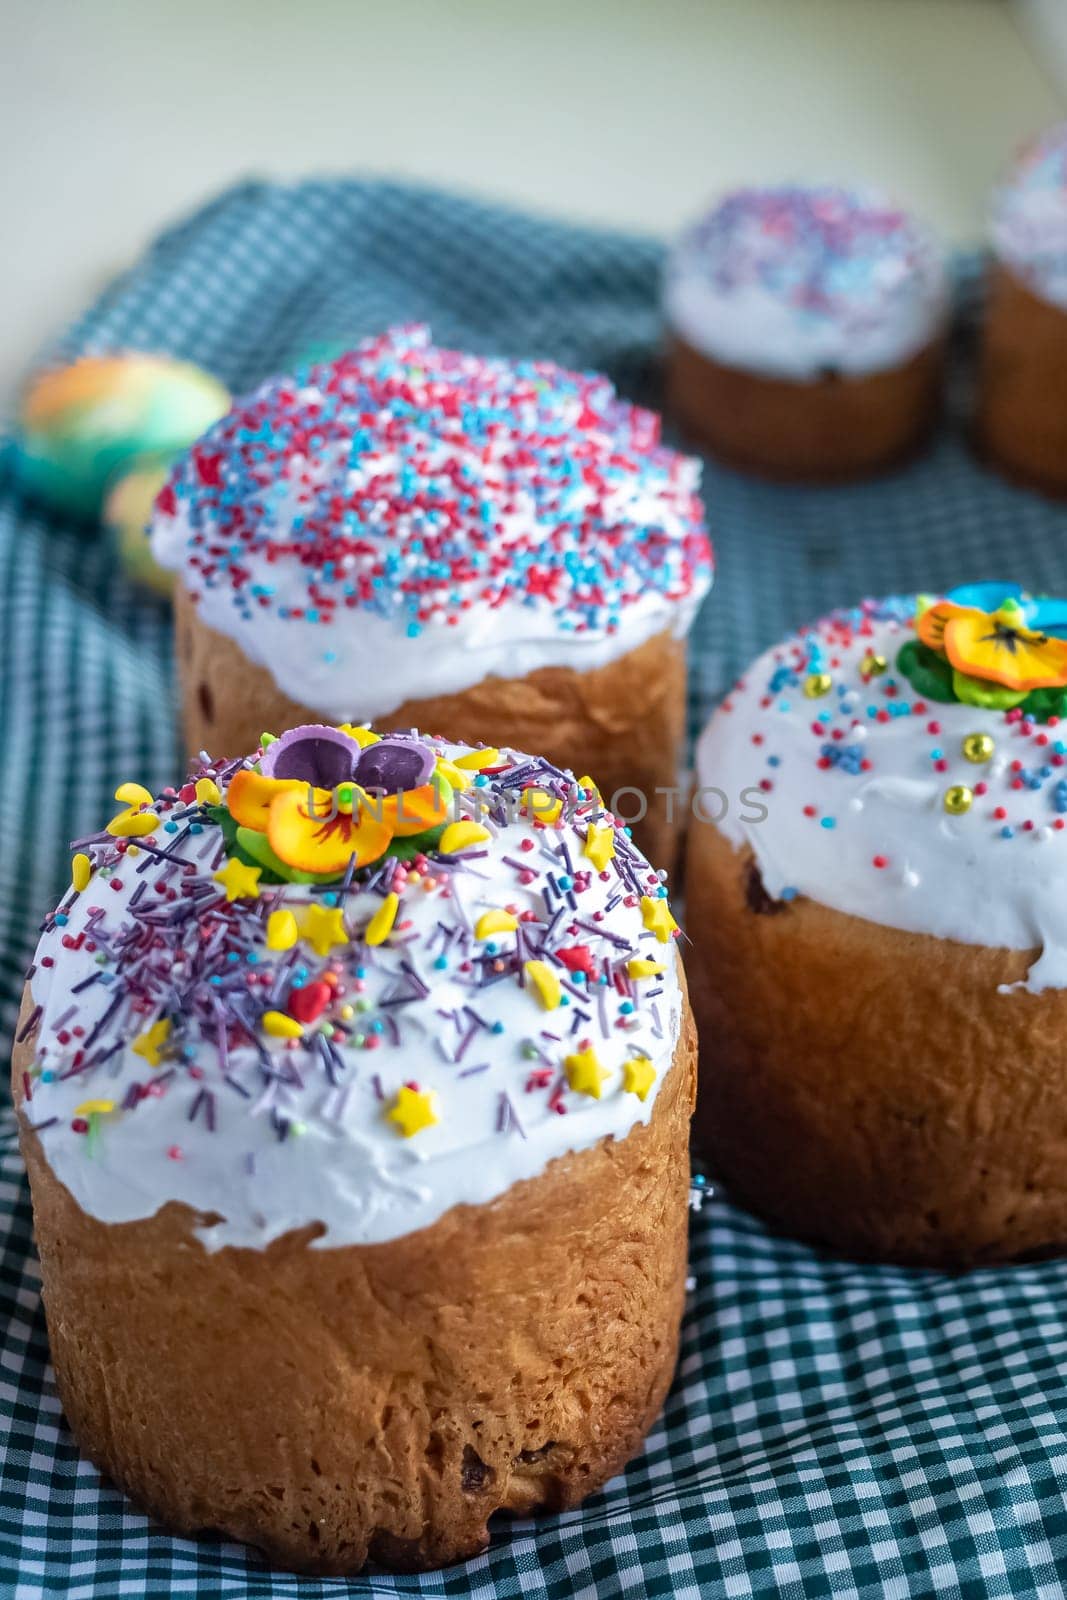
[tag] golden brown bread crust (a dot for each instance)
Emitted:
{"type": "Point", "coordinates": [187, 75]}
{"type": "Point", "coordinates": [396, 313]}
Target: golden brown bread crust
{"type": "Point", "coordinates": [1022, 400]}
{"type": "Point", "coordinates": [869, 1089]}
{"type": "Point", "coordinates": [832, 429]}
{"type": "Point", "coordinates": [378, 1402]}
{"type": "Point", "coordinates": [623, 723]}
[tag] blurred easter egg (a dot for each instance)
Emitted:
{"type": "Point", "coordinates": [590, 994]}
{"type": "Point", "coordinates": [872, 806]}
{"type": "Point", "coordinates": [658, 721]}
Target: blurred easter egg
{"type": "Point", "coordinates": [79, 426]}
{"type": "Point", "coordinates": [127, 512]}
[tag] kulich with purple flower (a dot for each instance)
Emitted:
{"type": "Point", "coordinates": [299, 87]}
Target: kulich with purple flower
{"type": "Point", "coordinates": [363, 1064]}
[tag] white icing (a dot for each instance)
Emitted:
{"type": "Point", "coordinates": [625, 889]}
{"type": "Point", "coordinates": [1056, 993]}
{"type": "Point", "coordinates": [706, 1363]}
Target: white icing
{"type": "Point", "coordinates": [365, 666]}
{"type": "Point", "coordinates": [763, 324]}
{"type": "Point", "coordinates": [354, 1172]}
{"type": "Point", "coordinates": [952, 877]}
{"type": "Point", "coordinates": [1029, 217]}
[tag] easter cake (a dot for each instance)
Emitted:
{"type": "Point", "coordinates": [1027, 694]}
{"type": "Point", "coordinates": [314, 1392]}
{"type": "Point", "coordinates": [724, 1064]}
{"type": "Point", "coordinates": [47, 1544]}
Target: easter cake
{"type": "Point", "coordinates": [354, 1081]}
{"type": "Point", "coordinates": [877, 897]}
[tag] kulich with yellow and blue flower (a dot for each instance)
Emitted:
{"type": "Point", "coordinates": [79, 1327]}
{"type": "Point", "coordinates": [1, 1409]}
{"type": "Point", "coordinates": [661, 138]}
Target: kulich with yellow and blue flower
{"type": "Point", "coordinates": [910, 760]}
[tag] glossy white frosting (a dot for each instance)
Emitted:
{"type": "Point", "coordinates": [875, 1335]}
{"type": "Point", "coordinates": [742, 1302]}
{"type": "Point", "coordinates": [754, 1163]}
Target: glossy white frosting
{"type": "Point", "coordinates": [879, 844]}
{"type": "Point", "coordinates": [792, 283]}
{"type": "Point", "coordinates": [343, 1164]}
{"type": "Point", "coordinates": [1029, 217]}
{"type": "Point", "coordinates": [366, 666]}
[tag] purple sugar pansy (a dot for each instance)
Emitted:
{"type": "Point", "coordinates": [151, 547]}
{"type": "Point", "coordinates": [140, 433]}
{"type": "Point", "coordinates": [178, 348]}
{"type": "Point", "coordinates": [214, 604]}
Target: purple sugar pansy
{"type": "Point", "coordinates": [395, 764]}
{"type": "Point", "coordinates": [312, 754]}
{"type": "Point", "coordinates": [326, 757]}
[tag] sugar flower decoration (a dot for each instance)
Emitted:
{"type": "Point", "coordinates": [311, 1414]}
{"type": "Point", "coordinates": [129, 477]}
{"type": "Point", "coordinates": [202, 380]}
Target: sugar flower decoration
{"type": "Point", "coordinates": [321, 798]}
{"type": "Point", "coordinates": [990, 645]}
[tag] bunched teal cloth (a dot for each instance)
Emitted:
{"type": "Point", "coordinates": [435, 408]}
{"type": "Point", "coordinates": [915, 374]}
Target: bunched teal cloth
{"type": "Point", "coordinates": [833, 1430]}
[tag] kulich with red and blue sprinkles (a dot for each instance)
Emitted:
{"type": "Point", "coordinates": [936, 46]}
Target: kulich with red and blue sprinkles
{"type": "Point", "coordinates": [407, 518]}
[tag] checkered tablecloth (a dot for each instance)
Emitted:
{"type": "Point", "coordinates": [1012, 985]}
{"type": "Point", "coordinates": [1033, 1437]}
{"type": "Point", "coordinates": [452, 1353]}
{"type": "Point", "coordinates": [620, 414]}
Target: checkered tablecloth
{"type": "Point", "coordinates": [834, 1430]}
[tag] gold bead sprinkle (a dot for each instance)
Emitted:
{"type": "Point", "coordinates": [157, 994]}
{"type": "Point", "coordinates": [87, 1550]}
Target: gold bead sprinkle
{"type": "Point", "coordinates": [872, 666]}
{"type": "Point", "coordinates": [817, 684]}
{"type": "Point", "coordinates": [978, 747]}
{"type": "Point", "coordinates": [958, 799]}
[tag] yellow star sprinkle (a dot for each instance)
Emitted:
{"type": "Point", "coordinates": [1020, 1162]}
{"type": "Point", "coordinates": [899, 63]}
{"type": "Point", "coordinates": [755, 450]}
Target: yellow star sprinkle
{"type": "Point", "coordinates": [81, 870]}
{"type": "Point", "coordinates": [491, 922]}
{"type": "Point", "coordinates": [544, 982]}
{"type": "Point", "coordinates": [323, 928]}
{"type": "Point", "coordinates": [584, 1072]}
{"type": "Point", "coordinates": [589, 786]}
{"type": "Point", "coordinates": [380, 925]}
{"type": "Point", "coordinates": [280, 1025]}
{"type": "Point", "coordinates": [282, 932]}
{"type": "Point", "coordinates": [92, 1108]}
{"type": "Point", "coordinates": [461, 835]}
{"type": "Point", "coordinates": [638, 1076]}
{"type": "Point", "coordinates": [599, 846]}
{"type": "Point", "coordinates": [207, 792]}
{"type": "Point", "coordinates": [239, 881]}
{"type": "Point", "coordinates": [414, 1110]}
{"type": "Point", "coordinates": [477, 760]}
{"type": "Point", "coordinates": [151, 1044]}
{"type": "Point", "coordinates": [656, 916]}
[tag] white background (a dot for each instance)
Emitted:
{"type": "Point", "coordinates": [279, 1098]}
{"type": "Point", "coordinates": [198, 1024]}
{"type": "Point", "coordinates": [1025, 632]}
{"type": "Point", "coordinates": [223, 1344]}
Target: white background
{"type": "Point", "coordinates": [116, 117]}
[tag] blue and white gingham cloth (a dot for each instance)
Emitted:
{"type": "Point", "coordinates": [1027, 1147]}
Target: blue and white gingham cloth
{"type": "Point", "coordinates": [834, 1430]}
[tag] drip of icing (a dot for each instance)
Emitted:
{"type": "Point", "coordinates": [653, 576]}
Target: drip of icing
{"type": "Point", "coordinates": [408, 516]}
{"type": "Point", "coordinates": [140, 1098]}
{"type": "Point", "coordinates": [869, 834]}
{"type": "Point", "coordinates": [1029, 216]}
{"type": "Point", "coordinates": [793, 282]}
